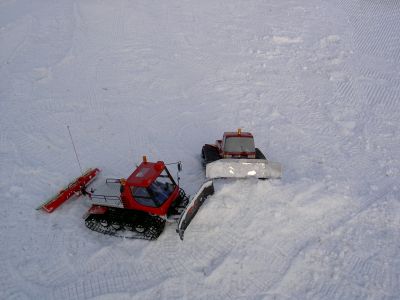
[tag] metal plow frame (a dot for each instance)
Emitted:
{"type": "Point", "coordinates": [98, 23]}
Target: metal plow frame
{"type": "Point", "coordinates": [193, 207]}
{"type": "Point", "coordinates": [243, 168]}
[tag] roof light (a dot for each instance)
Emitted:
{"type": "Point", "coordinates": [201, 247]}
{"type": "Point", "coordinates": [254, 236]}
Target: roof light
{"type": "Point", "coordinates": [144, 158]}
{"type": "Point", "coordinates": [239, 131]}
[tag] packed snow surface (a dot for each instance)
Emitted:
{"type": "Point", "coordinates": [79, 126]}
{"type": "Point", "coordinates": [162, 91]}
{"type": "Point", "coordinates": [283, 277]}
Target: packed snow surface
{"type": "Point", "coordinates": [317, 83]}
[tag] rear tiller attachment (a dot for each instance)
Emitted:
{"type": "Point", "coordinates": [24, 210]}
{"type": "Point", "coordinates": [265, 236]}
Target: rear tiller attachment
{"type": "Point", "coordinates": [75, 188]}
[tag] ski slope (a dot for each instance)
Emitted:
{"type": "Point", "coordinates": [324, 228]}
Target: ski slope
{"type": "Point", "coordinates": [317, 83]}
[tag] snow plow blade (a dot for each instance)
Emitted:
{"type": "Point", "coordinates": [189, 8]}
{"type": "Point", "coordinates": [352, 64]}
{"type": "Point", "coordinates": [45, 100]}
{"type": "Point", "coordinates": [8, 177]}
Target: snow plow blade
{"type": "Point", "coordinates": [243, 168]}
{"type": "Point", "coordinates": [193, 207]}
{"type": "Point", "coordinates": [74, 188]}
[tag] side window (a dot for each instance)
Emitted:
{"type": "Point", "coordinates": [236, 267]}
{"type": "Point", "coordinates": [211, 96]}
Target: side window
{"type": "Point", "coordinates": [165, 181]}
{"type": "Point", "coordinates": [142, 196]}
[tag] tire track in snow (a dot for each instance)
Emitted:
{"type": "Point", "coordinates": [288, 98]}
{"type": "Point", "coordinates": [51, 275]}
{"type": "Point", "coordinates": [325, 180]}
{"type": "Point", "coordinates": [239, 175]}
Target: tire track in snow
{"type": "Point", "coordinates": [382, 91]}
{"type": "Point", "coordinates": [132, 277]}
{"type": "Point", "coordinates": [118, 23]}
{"type": "Point", "coordinates": [43, 150]}
{"type": "Point", "coordinates": [39, 269]}
{"type": "Point", "coordinates": [335, 291]}
{"type": "Point", "coordinates": [8, 166]}
{"type": "Point", "coordinates": [335, 255]}
{"type": "Point", "coordinates": [370, 88]}
{"type": "Point", "coordinates": [104, 273]}
{"type": "Point", "coordinates": [377, 95]}
{"type": "Point", "coordinates": [373, 270]}
{"type": "Point", "coordinates": [14, 48]}
{"type": "Point", "coordinates": [365, 17]}
{"type": "Point", "coordinates": [360, 270]}
{"type": "Point", "coordinates": [6, 282]}
{"type": "Point", "coordinates": [384, 29]}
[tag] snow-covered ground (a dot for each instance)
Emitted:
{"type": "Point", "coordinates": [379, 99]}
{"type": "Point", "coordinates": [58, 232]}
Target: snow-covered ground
{"type": "Point", "coordinates": [318, 84]}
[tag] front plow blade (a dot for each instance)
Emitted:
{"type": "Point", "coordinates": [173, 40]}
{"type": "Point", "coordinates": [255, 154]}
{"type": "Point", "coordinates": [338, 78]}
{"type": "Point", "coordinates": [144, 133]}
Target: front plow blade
{"type": "Point", "coordinates": [242, 168]}
{"type": "Point", "coordinates": [74, 188]}
{"type": "Point", "coordinates": [193, 207]}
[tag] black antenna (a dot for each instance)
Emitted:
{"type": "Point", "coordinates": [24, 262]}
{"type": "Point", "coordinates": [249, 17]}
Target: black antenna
{"type": "Point", "coordinates": [179, 167]}
{"type": "Point", "coordinates": [76, 154]}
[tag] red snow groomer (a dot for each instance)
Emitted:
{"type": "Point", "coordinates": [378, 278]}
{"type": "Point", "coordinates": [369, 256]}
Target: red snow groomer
{"type": "Point", "coordinates": [139, 206]}
{"type": "Point", "coordinates": [236, 156]}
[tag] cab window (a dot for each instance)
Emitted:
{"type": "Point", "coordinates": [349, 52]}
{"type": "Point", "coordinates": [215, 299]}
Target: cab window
{"type": "Point", "coordinates": [239, 144]}
{"type": "Point", "coordinates": [161, 188]}
{"type": "Point", "coordinates": [142, 196]}
{"type": "Point", "coordinates": [156, 193]}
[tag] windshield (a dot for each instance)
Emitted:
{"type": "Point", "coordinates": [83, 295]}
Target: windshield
{"type": "Point", "coordinates": [157, 193]}
{"type": "Point", "coordinates": [161, 188]}
{"type": "Point", "coordinates": [239, 144]}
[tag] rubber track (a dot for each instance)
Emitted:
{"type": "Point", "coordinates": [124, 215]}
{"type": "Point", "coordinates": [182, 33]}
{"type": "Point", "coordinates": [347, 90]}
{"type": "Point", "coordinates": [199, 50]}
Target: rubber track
{"type": "Point", "coordinates": [209, 154]}
{"type": "Point", "coordinates": [120, 223]}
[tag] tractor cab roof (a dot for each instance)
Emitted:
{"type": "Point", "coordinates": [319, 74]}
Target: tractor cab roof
{"type": "Point", "coordinates": [238, 134]}
{"type": "Point", "coordinates": [145, 174]}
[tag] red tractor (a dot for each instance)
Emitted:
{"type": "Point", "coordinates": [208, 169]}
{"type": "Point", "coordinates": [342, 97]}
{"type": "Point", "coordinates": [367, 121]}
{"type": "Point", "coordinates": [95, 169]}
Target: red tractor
{"type": "Point", "coordinates": [236, 156]}
{"type": "Point", "coordinates": [136, 207]}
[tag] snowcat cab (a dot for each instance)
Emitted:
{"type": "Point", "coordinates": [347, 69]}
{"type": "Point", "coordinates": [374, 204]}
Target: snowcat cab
{"type": "Point", "coordinates": [152, 189]}
{"type": "Point", "coordinates": [237, 145]}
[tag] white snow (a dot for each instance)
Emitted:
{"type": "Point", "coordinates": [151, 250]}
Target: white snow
{"type": "Point", "coordinates": [286, 40]}
{"type": "Point", "coordinates": [316, 82]}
